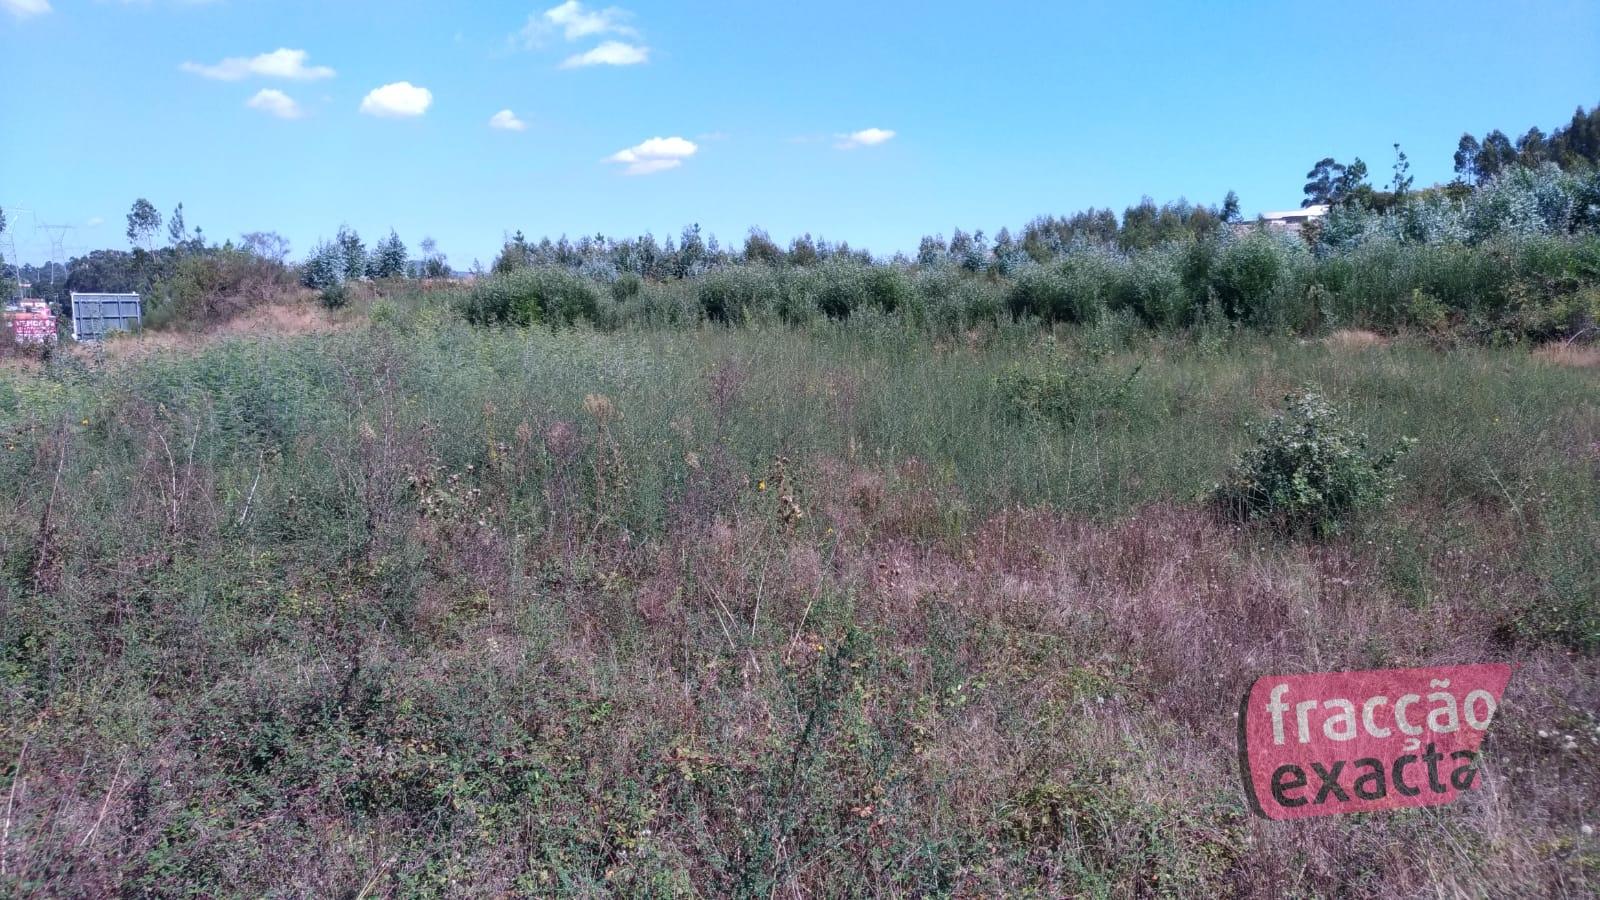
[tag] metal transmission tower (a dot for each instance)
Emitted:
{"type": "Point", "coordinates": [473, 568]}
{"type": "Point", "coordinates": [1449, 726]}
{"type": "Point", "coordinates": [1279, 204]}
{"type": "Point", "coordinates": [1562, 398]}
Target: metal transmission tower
{"type": "Point", "coordinates": [8, 246]}
{"type": "Point", "coordinates": [58, 239]}
{"type": "Point", "coordinates": [8, 250]}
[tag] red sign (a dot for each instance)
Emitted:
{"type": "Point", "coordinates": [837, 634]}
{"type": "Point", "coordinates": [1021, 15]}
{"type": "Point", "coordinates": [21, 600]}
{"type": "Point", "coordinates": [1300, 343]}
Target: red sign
{"type": "Point", "coordinates": [32, 327]}
{"type": "Point", "coordinates": [1344, 742]}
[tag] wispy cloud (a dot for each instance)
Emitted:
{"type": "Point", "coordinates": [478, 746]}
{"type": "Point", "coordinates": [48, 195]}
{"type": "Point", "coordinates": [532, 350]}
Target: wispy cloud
{"type": "Point", "coordinates": [400, 100]}
{"type": "Point", "coordinates": [281, 63]}
{"type": "Point", "coordinates": [610, 53]}
{"type": "Point", "coordinates": [275, 102]}
{"type": "Point", "coordinates": [506, 120]}
{"type": "Point", "coordinates": [866, 137]}
{"type": "Point", "coordinates": [657, 154]}
{"type": "Point", "coordinates": [574, 22]}
{"type": "Point", "coordinates": [24, 9]}
{"type": "Point", "coordinates": [95, 221]}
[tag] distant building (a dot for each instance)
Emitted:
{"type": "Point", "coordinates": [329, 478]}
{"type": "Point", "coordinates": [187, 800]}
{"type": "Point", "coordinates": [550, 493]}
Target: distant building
{"type": "Point", "coordinates": [1293, 220]}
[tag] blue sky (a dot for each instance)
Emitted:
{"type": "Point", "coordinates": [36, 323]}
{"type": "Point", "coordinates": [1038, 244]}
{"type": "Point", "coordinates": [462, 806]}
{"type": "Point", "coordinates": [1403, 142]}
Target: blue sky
{"type": "Point", "coordinates": [970, 115]}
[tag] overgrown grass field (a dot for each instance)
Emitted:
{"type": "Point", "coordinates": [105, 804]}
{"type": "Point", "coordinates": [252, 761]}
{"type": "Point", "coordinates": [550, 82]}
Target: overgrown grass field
{"type": "Point", "coordinates": [416, 608]}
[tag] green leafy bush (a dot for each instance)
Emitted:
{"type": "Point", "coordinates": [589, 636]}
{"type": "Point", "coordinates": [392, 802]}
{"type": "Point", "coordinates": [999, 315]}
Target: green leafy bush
{"type": "Point", "coordinates": [1308, 471]}
{"type": "Point", "coordinates": [1060, 390]}
{"type": "Point", "coordinates": [888, 288]}
{"type": "Point", "coordinates": [840, 287]}
{"type": "Point", "coordinates": [1153, 287]}
{"type": "Point", "coordinates": [731, 294]}
{"type": "Point", "coordinates": [529, 296]}
{"type": "Point", "coordinates": [1251, 276]}
{"type": "Point", "coordinates": [1075, 290]}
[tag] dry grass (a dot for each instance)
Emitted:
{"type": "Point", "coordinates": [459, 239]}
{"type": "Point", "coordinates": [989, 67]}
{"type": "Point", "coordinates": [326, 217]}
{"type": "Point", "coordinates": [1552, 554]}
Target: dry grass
{"type": "Point", "coordinates": [376, 615]}
{"type": "Point", "coordinates": [290, 317]}
{"type": "Point", "coordinates": [1565, 353]}
{"type": "Point", "coordinates": [1355, 339]}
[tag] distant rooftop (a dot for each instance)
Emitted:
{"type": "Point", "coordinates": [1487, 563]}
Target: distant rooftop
{"type": "Point", "coordinates": [1314, 211]}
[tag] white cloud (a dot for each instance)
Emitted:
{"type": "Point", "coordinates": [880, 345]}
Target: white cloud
{"type": "Point", "coordinates": [280, 63]}
{"type": "Point", "coordinates": [575, 22]}
{"type": "Point", "coordinates": [23, 9]}
{"type": "Point", "coordinates": [866, 137]}
{"type": "Point", "coordinates": [95, 222]}
{"type": "Point", "coordinates": [275, 102]}
{"type": "Point", "coordinates": [506, 120]}
{"type": "Point", "coordinates": [610, 53]}
{"type": "Point", "coordinates": [658, 154]}
{"type": "Point", "coordinates": [401, 99]}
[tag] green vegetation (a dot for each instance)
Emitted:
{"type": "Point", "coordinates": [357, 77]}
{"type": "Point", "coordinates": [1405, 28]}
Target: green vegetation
{"type": "Point", "coordinates": [847, 609]}
{"type": "Point", "coordinates": [1512, 259]}
{"type": "Point", "coordinates": [1307, 470]}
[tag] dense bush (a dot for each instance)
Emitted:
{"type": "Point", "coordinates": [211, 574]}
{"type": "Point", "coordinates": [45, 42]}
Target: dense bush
{"type": "Point", "coordinates": [529, 296]}
{"type": "Point", "coordinates": [1509, 288]}
{"type": "Point", "coordinates": [1077, 289]}
{"type": "Point", "coordinates": [206, 288]}
{"type": "Point", "coordinates": [1254, 277]}
{"type": "Point", "coordinates": [1152, 286]}
{"type": "Point", "coordinates": [1516, 258]}
{"type": "Point", "coordinates": [1308, 471]}
{"type": "Point", "coordinates": [729, 294]}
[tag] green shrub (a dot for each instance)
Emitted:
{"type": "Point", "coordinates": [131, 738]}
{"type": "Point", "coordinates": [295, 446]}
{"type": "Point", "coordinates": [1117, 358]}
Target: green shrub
{"type": "Point", "coordinates": [1153, 288]}
{"type": "Point", "coordinates": [1075, 290]}
{"type": "Point", "coordinates": [888, 288]}
{"type": "Point", "coordinates": [731, 294]}
{"type": "Point", "coordinates": [1061, 390]}
{"type": "Point", "coordinates": [661, 304]}
{"type": "Point", "coordinates": [1251, 277]}
{"type": "Point", "coordinates": [528, 296]}
{"type": "Point", "coordinates": [334, 296]}
{"type": "Point", "coordinates": [626, 287]}
{"type": "Point", "coordinates": [979, 301]}
{"type": "Point", "coordinates": [206, 288]}
{"type": "Point", "coordinates": [840, 287]}
{"type": "Point", "coordinates": [1308, 471]}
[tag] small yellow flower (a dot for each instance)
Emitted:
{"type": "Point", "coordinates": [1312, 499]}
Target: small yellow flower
{"type": "Point", "coordinates": [84, 422]}
{"type": "Point", "coordinates": [761, 485]}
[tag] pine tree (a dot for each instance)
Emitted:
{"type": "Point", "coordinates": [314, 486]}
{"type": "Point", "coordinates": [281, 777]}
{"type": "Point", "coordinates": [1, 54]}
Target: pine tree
{"type": "Point", "coordinates": [1230, 208]}
{"type": "Point", "coordinates": [352, 252]}
{"type": "Point", "coordinates": [176, 233]}
{"type": "Point", "coordinates": [388, 258]}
